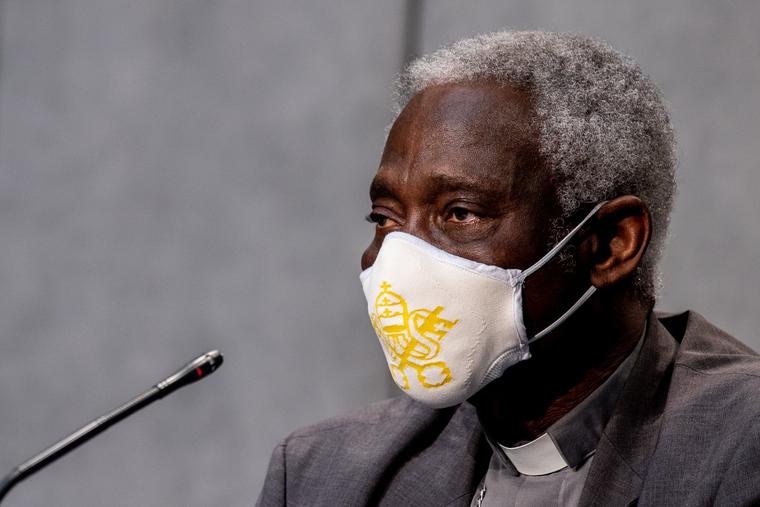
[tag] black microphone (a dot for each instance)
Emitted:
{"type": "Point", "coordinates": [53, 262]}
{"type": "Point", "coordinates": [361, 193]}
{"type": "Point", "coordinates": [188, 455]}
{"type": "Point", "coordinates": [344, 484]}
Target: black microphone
{"type": "Point", "coordinates": [193, 371]}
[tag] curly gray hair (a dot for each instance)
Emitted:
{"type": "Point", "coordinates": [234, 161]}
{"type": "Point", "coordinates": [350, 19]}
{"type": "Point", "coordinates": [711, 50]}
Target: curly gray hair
{"type": "Point", "coordinates": [603, 127]}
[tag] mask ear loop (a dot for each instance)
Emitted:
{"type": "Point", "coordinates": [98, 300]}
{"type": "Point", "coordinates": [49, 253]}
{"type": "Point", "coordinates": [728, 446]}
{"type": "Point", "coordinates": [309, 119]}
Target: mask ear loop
{"type": "Point", "coordinates": [559, 246]}
{"type": "Point", "coordinates": [564, 317]}
{"type": "Point", "coordinates": [549, 256]}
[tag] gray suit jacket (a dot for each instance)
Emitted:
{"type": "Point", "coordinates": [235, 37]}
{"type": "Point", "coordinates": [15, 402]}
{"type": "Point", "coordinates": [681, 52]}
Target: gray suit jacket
{"type": "Point", "coordinates": [686, 431]}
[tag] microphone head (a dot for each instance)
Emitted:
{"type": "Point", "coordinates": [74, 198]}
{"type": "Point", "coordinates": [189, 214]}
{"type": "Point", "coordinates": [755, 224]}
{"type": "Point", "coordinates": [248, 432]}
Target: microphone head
{"type": "Point", "coordinates": [196, 369]}
{"type": "Point", "coordinates": [206, 364]}
{"type": "Point", "coordinates": [214, 359]}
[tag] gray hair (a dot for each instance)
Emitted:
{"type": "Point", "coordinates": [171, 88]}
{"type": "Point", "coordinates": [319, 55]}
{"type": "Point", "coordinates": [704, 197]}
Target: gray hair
{"type": "Point", "coordinates": [603, 127]}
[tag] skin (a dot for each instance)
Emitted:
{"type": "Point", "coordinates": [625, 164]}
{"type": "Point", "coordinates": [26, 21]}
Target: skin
{"type": "Point", "coordinates": [461, 170]}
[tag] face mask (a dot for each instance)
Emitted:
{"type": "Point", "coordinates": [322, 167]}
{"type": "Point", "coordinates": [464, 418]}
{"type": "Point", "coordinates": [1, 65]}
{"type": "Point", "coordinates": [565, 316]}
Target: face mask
{"type": "Point", "coordinates": [449, 325]}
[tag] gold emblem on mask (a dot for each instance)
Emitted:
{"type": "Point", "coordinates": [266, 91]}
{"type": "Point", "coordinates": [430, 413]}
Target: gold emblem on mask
{"type": "Point", "coordinates": [412, 339]}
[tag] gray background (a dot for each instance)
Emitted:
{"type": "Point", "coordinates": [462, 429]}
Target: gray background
{"type": "Point", "coordinates": [181, 175]}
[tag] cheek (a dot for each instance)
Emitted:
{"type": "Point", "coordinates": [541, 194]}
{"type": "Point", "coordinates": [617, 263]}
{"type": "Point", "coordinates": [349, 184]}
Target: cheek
{"type": "Point", "coordinates": [520, 243]}
{"type": "Point", "coordinates": [483, 251]}
{"type": "Point", "coordinates": [509, 246]}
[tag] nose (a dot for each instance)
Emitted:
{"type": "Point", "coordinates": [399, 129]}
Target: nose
{"type": "Point", "coordinates": [369, 256]}
{"type": "Point", "coordinates": [416, 224]}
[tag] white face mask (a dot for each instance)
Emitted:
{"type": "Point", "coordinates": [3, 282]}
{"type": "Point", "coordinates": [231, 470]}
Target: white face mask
{"type": "Point", "coordinates": [449, 325]}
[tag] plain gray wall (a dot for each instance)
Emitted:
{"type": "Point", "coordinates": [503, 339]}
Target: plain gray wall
{"type": "Point", "coordinates": [181, 175]}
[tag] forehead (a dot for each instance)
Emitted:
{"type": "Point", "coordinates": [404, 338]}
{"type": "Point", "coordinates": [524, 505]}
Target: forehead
{"type": "Point", "coordinates": [477, 132]}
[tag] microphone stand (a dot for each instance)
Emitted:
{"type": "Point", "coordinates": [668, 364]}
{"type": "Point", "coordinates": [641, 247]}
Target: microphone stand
{"type": "Point", "coordinates": [193, 371]}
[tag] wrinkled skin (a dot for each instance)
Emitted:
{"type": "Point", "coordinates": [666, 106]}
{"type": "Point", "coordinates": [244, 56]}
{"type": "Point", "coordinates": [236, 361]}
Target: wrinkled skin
{"type": "Point", "coordinates": [461, 170]}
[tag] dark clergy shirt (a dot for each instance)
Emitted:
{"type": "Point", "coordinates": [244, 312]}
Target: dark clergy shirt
{"type": "Point", "coordinates": [552, 469]}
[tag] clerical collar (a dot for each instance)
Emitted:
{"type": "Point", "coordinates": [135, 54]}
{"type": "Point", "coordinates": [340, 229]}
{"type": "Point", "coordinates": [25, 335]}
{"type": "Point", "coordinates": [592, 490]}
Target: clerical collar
{"type": "Point", "coordinates": [574, 438]}
{"type": "Point", "coordinates": [538, 457]}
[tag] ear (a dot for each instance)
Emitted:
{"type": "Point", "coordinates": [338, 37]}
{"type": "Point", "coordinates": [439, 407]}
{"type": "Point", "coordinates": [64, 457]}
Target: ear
{"type": "Point", "coordinates": [616, 244]}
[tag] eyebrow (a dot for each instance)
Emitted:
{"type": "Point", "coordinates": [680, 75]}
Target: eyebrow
{"type": "Point", "coordinates": [379, 189]}
{"type": "Point", "coordinates": [445, 183]}
{"type": "Point", "coordinates": [440, 183]}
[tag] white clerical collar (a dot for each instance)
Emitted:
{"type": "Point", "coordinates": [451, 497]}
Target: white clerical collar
{"type": "Point", "coordinates": [538, 457]}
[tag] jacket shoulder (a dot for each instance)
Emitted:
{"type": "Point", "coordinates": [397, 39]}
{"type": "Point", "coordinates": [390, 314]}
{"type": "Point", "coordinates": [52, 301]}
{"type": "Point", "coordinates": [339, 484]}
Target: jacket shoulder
{"type": "Point", "coordinates": [708, 350]}
{"type": "Point", "coordinates": [709, 435]}
{"type": "Point", "coordinates": [371, 418]}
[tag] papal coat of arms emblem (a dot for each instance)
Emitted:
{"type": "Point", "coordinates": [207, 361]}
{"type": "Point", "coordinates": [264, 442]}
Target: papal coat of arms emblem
{"type": "Point", "coordinates": [411, 338]}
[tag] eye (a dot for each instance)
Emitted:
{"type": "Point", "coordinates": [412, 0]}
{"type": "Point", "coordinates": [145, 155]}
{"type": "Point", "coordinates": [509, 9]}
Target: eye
{"type": "Point", "coordinates": [377, 218]}
{"type": "Point", "coordinates": [460, 215]}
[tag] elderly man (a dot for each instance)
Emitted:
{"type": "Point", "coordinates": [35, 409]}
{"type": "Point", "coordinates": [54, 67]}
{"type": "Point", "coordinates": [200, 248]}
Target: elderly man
{"type": "Point", "coordinates": [520, 209]}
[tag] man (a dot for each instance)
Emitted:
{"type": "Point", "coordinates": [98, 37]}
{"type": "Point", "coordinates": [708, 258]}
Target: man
{"type": "Point", "coordinates": [520, 207]}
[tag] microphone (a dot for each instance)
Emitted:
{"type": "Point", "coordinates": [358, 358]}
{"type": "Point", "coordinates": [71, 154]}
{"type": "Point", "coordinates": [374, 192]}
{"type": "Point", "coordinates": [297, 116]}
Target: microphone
{"type": "Point", "coordinates": [191, 372]}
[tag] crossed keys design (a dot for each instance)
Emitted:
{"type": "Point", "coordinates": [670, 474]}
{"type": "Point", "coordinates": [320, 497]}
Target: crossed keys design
{"type": "Point", "coordinates": [411, 338]}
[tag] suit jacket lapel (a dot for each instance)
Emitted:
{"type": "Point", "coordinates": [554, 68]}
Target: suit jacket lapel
{"type": "Point", "coordinates": [629, 439]}
{"type": "Point", "coordinates": [439, 468]}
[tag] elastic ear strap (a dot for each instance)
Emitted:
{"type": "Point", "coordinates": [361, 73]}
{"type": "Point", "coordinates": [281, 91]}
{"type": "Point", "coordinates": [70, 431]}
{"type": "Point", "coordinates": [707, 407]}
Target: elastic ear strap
{"type": "Point", "coordinates": [559, 246]}
{"type": "Point", "coordinates": [565, 315]}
